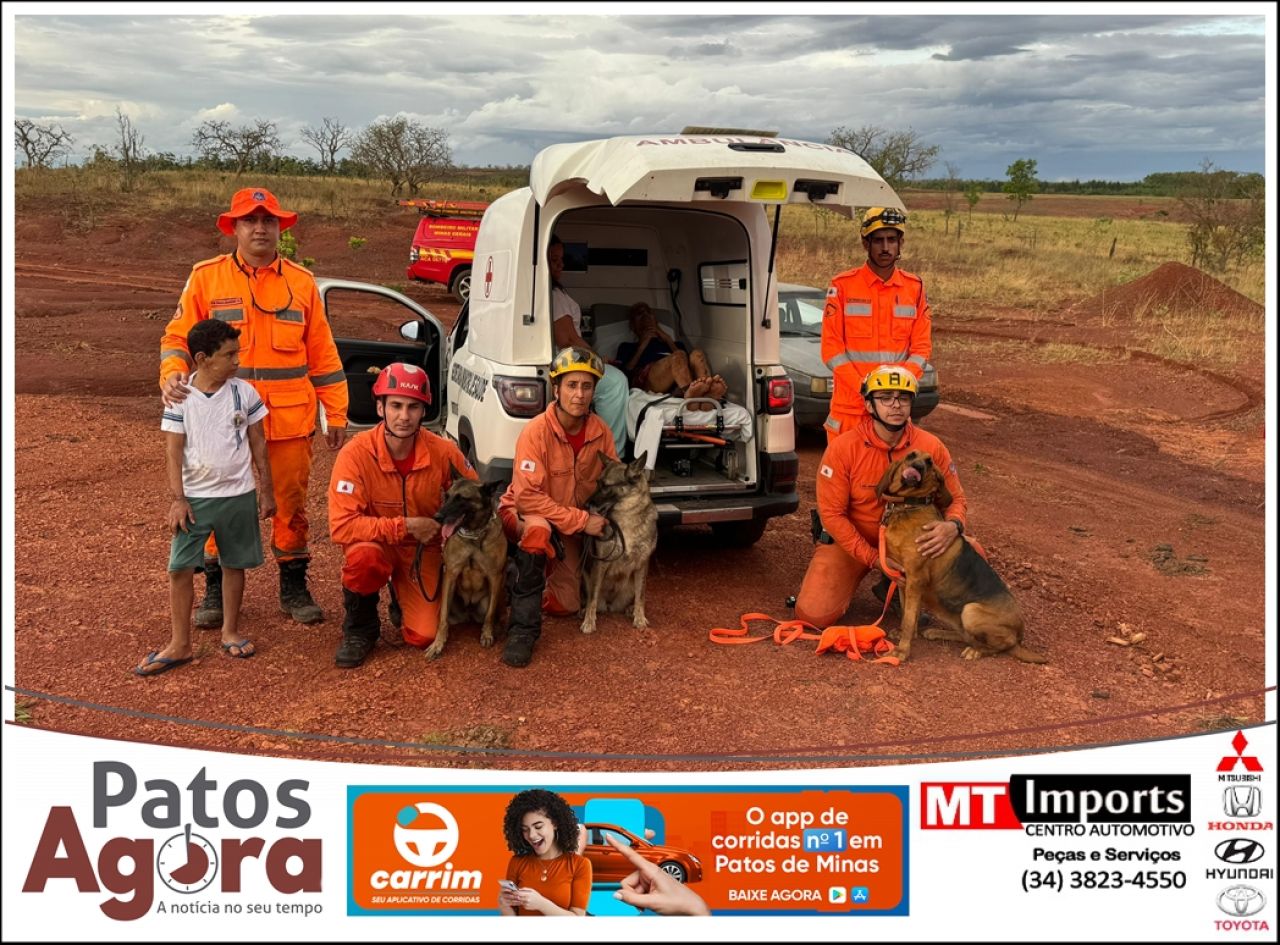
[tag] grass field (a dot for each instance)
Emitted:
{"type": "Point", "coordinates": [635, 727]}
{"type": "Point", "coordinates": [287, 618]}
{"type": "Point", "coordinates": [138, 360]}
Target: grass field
{"type": "Point", "coordinates": [973, 265]}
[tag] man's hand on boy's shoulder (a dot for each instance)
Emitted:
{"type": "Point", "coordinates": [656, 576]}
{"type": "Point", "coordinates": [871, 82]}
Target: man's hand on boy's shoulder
{"type": "Point", "coordinates": [175, 389]}
{"type": "Point", "coordinates": [179, 515]}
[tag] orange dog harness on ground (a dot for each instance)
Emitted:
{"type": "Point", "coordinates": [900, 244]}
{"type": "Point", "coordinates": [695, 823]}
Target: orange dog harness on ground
{"type": "Point", "coordinates": [853, 642]}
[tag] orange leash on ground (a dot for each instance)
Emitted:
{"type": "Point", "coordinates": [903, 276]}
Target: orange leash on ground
{"type": "Point", "coordinates": [853, 642]}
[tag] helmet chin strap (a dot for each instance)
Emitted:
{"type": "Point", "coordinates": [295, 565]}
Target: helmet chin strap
{"type": "Point", "coordinates": [892, 427]}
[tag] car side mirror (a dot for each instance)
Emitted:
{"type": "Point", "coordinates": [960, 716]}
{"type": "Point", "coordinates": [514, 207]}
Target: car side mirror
{"type": "Point", "coordinates": [411, 331]}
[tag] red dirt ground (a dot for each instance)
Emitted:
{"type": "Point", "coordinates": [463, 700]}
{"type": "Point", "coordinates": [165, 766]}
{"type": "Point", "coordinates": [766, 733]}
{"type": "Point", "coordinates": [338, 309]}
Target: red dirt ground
{"type": "Point", "coordinates": [1110, 504]}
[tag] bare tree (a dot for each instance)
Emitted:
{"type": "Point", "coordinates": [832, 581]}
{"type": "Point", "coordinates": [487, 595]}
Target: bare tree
{"type": "Point", "coordinates": [246, 145]}
{"type": "Point", "coordinates": [404, 152]}
{"type": "Point", "coordinates": [130, 150]}
{"type": "Point", "coordinates": [330, 138]}
{"type": "Point", "coordinates": [41, 144]}
{"type": "Point", "coordinates": [1228, 216]}
{"type": "Point", "coordinates": [896, 155]}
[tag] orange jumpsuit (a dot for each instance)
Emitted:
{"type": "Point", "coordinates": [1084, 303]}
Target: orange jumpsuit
{"type": "Point", "coordinates": [848, 474]}
{"type": "Point", "coordinates": [368, 503]}
{"type": "Point", "coordinates": [286, 352]}
{"type": "Point", "coordinates": [548, 490]}
{"type": "Point", "coordinates": [869, 321]}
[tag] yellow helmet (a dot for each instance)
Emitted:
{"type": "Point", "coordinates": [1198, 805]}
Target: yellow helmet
{"type": "Point", "coordinates": [877, 218]}
{"type": "Point", "coordinates": [889, 377]}
{"type": "Point", "coordinates": [574, 358]}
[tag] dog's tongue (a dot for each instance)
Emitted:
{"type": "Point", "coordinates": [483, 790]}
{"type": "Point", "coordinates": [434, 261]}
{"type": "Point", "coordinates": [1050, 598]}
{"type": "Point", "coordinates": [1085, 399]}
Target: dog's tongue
{"type": "Point", "coordinates": [446, 530]}
{"type": "Point", "coordinates": [911, 475]}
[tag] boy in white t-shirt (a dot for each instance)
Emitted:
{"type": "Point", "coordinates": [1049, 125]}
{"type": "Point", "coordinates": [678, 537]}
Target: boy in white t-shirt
{"type": "Point", "coordinates": [209, 440]}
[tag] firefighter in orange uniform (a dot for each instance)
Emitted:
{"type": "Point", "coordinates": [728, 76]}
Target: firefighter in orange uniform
{"type": "Point", "coordinates": [387, 485]}
{"type": "Point", "coordinates": [851, 468]}
{"type": "Point", "coordinates": [559, 458]}
{"type": "Point", "coordinates": [287, 353]}
{"type": "Point", "coordinates": [875, 314]}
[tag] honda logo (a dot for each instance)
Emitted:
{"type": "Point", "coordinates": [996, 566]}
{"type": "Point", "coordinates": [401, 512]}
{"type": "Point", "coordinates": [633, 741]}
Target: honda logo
{"type": "Point", "coordinates": [1242, 800]}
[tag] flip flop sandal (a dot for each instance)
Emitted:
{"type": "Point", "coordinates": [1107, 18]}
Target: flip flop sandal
{"type": "Point", "coordinates": [242, 655]}
{"type": "Point", "coordinates": [166, 664]}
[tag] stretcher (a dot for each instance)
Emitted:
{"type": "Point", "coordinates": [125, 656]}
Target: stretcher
{"type": "Point", "coordinates": [657, 421]}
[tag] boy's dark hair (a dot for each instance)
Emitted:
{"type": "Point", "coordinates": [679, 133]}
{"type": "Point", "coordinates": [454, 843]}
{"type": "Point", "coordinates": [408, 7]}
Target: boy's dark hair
{"type": "Point", "coordinates": [207, 336]}
{"type": "Point", "coordinates": [558, 812]}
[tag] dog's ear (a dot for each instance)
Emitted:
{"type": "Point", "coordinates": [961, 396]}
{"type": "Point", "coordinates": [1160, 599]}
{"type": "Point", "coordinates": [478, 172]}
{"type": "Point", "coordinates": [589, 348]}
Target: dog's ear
{"type": "Point", "coordinates": [942, 498]}
{"type": "Point", "coordinates": [488, 489]}
{"type": "Point", "coordinates": [637, 465]}
{"type": "Point", "coordinates": [883, 486]}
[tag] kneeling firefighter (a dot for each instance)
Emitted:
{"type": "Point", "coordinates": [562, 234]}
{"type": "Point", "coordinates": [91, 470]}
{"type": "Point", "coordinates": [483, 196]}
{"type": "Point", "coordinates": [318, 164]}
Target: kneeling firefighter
{"type": "Point", "coordinates": [559, 458]}
{"type": "Point", "coordinates": [387, 485]}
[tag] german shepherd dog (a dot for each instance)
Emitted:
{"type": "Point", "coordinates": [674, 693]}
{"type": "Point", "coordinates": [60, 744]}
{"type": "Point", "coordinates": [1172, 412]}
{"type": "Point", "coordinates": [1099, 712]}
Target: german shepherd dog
{"type": "Point", "coordinates": [959, 587]}
{"type": "Point", "coordinates": [475, 558]}
{"type": "Point", "coordinates": [617, 563]}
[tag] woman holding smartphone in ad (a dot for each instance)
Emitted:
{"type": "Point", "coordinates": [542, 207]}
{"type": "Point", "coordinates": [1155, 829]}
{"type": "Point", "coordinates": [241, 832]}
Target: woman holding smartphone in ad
{"type": "Point", "coordinates": [545, 876]}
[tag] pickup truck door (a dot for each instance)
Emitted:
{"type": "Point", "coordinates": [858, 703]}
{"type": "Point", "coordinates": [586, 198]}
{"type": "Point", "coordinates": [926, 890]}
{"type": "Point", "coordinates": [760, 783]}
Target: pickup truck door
{"type": "Point", "coordinates": [367, 322]}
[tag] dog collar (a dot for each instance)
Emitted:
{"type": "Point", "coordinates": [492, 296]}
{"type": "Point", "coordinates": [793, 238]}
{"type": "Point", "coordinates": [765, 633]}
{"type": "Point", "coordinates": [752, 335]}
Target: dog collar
{"type": "Point", "coordinates": [897, 503]}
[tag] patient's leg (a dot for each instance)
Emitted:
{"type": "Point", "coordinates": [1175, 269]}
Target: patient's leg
{"type": "Point", "coordinates": [698, 361]}
{"type": "Point", "coordinates": [672, 370]}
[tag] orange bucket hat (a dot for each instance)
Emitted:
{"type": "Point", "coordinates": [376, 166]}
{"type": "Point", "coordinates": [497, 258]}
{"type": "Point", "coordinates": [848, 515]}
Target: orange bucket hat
{"type": "Point", "coordinates": [250, 199]}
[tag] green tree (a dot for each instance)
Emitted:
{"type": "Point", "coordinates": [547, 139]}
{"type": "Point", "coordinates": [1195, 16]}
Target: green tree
{"type": "Point", "coordinates": [403, 152]}
{"type": "Point", "coordinates": [897, 156]}
{"type": "Point", "coordinates": [242, 147]}
{"type": "Point", "coordinates": [1021, 183]}
{"type": "Point", "coordinates": [1228, 217]}
{"type": "Point", "coordinates": [972, 194]}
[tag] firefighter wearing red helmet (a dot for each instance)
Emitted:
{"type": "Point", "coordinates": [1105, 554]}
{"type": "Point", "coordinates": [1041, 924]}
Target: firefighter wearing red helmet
{"type": "Point", "coordinates": [875, 314]}
{"type": "Point", "coordinates": [387, 485]}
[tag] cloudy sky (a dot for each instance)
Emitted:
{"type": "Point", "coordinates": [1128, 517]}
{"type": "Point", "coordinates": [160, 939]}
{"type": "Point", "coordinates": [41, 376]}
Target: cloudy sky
{"type": "Point", "coordinates": [1087, 95]}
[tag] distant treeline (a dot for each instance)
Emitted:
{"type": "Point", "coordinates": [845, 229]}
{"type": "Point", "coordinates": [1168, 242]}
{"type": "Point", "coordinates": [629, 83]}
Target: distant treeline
{"type": "Point", "coordinates": [1167, 184]}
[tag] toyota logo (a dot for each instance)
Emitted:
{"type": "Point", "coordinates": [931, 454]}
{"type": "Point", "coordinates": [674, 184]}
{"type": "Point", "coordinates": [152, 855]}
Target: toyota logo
{"type": "Point", "coordinates": [1241, 901]}
{"type": "Point", "coordinates": [1238, 850]}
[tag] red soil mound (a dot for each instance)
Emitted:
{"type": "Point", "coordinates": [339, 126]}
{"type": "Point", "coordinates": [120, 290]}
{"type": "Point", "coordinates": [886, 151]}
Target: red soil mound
{"type": "Point", "coordinates": [1171, 287]}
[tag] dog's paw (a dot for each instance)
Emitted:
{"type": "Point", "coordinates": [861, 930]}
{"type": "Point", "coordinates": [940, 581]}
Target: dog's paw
{"type": "Point", "coordinates": [971, 653]}
{"type": "Point", "coordinates": [640, 622]}
{"type": "Point", "coordinates": [903, 653]}
{"type": "Point", "coordinates": [434, 651]}
{"type": "Point", "coordinates": [588, 626]}
{"type": "Point", "coordinates": [486, 638]}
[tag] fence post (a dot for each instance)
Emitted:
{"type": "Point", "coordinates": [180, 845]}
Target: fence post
{"type": "Point", "coordinates": [1112, 254]}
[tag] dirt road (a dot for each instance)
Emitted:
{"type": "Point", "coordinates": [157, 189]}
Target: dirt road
{"type": "Point", "coordinates": [1122, 502]}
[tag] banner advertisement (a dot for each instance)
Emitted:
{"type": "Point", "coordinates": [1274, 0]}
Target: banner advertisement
{"type": "Point", "coordinates": [1169, 840]}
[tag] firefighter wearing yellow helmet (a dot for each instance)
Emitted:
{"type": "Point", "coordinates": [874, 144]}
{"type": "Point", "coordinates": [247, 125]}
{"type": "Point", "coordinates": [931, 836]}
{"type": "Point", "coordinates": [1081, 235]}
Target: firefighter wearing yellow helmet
{"type": "Point", "coordinates": [875, 314]}
{"type": "Point", "coordinates": [560, 455]}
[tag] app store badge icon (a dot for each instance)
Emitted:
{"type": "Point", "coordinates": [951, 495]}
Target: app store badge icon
{"type": "Point", "coordinates": [836, 894]}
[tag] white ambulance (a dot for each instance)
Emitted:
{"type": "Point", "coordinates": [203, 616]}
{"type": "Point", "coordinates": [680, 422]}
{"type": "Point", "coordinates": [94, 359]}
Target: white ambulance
{"type": "Point", "coordinates": [683, 223]}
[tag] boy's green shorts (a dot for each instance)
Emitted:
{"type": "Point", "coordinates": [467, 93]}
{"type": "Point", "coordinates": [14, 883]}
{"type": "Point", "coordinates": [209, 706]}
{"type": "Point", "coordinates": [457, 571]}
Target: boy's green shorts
{"type": "Point", "coordinates": [233, 519]}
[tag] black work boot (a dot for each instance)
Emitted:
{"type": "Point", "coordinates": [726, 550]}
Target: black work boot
{"type": "Point", "coordinates": [295, 599]}
{"type": "Point", "coordinates": [359, 628]}
{"type": "Point", "coordinates": [394, 614]}
{"type": "Point", "coordinates": [209, 613]}
{"type": "Point", "coordinates": [526, 578]}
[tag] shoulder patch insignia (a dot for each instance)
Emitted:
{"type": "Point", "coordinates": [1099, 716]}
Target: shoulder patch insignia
{"type": "Point", "coordinates": [343, 486]}
{"type": "Point", "coordinates": [832, 290]}
{"type": "Point", "coordinates": [528, 465]}
{"type": "Point", "coordinates": [826, 471]}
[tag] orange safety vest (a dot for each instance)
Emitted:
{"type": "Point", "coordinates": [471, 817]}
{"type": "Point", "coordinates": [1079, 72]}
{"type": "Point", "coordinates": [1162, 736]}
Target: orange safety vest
{"type": "Point", "coordinates": [849, 472]}
{"type": "Point", "coordinates": [547, 480]}
{"type": "Point", "coordinates": [869, 321]}
{"type": "Point", "coordinates": [287, 350]}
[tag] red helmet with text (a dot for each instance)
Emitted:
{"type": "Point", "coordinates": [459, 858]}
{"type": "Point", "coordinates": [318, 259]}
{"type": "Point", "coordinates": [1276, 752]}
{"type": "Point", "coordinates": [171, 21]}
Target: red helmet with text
{"type": "Point", "coordinates": [403, 380]}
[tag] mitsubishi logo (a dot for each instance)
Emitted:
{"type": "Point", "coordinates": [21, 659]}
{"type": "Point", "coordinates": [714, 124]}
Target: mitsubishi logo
{"type": "Point", "coordinates": [1251, 762]}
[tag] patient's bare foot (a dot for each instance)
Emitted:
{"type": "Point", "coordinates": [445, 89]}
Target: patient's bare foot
{"type": "Point", "coordinates": [698, 387]}
{"type": "Point", "coordinates": [716, 387]}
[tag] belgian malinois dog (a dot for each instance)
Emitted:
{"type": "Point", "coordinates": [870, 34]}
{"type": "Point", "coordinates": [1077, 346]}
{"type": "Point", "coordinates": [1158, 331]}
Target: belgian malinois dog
{"type": "Point", "coordinates": [475, 557]}
{"type": "Point", "coordinates": [617, 563]}
{"type": "Point", "coordinates": [959, 587]}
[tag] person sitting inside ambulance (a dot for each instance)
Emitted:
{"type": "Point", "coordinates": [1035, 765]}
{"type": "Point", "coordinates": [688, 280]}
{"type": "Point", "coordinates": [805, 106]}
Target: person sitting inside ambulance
{"type": "Point", "coordinates": [566, 324]}
{"type": "Point", "coordinates": [660, 365]}
{"type": "Point", "coordinates": [559, 458]}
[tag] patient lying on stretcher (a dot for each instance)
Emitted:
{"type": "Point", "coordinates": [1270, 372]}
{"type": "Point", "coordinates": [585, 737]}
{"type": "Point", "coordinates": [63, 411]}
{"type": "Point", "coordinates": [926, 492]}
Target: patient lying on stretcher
{"type": "Point", "coordinates": [660, 365]}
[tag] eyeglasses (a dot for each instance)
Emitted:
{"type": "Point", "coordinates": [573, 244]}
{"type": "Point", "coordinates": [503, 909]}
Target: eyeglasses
{"type": "Point", "coordinates": [890, 399]}
{"type": "Point", "coordinates": [249, 279]}
{"type": "Point", "coordinates": [890, 217]}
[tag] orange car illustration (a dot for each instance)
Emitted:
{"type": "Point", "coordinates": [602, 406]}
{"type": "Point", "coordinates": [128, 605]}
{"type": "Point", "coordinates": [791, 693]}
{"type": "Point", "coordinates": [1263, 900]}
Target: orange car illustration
{"type": "Point", "coordinates": [609, 866]}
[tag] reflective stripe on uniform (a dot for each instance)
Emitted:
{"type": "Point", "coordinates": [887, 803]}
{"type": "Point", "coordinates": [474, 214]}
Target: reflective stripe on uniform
{"type": "Point", "coordinates": [833, 424]}
{"type": "Point", "coordinates": [917, 360]}
{"type": "Point", "coordinates": [857, 308]}
{"type": "Point", "coordinates": [325, 380]}
{"type": "Point", "coordinates": [176, 353]}
{"type": "Point", "coordinates": [839, 359]}
{"type": "Point", "coordinates": [904, 311]}
{"type": "Point", "coordinates": [228, 314]}
{"type": "Point", "coordinates": [292, 315]}
{"type": "Point", "coordinates": [271, 374]}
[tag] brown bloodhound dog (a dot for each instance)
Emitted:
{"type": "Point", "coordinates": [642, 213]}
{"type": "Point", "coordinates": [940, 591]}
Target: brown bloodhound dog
{"type": "Point", "coordinates": [958, 587]}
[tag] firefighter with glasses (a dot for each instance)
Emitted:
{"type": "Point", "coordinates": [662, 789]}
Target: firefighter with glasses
{"type": "Point", "coordinates": [288, 354]}
{"type": "Point", "coordinates": [875, 314]}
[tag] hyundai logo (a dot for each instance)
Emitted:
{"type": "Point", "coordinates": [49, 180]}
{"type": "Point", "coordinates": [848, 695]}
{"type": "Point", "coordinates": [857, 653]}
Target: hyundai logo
{"type": "Point", "coordinates": [1242, 800]}
{"type": "Point", "coordinates": [1241, 901]}
{"type": "Point", "coordinates": [1238, 850]}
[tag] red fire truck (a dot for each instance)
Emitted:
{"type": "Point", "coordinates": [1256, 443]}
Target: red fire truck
{"type": "Point", "coordinates": [445, 242]}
